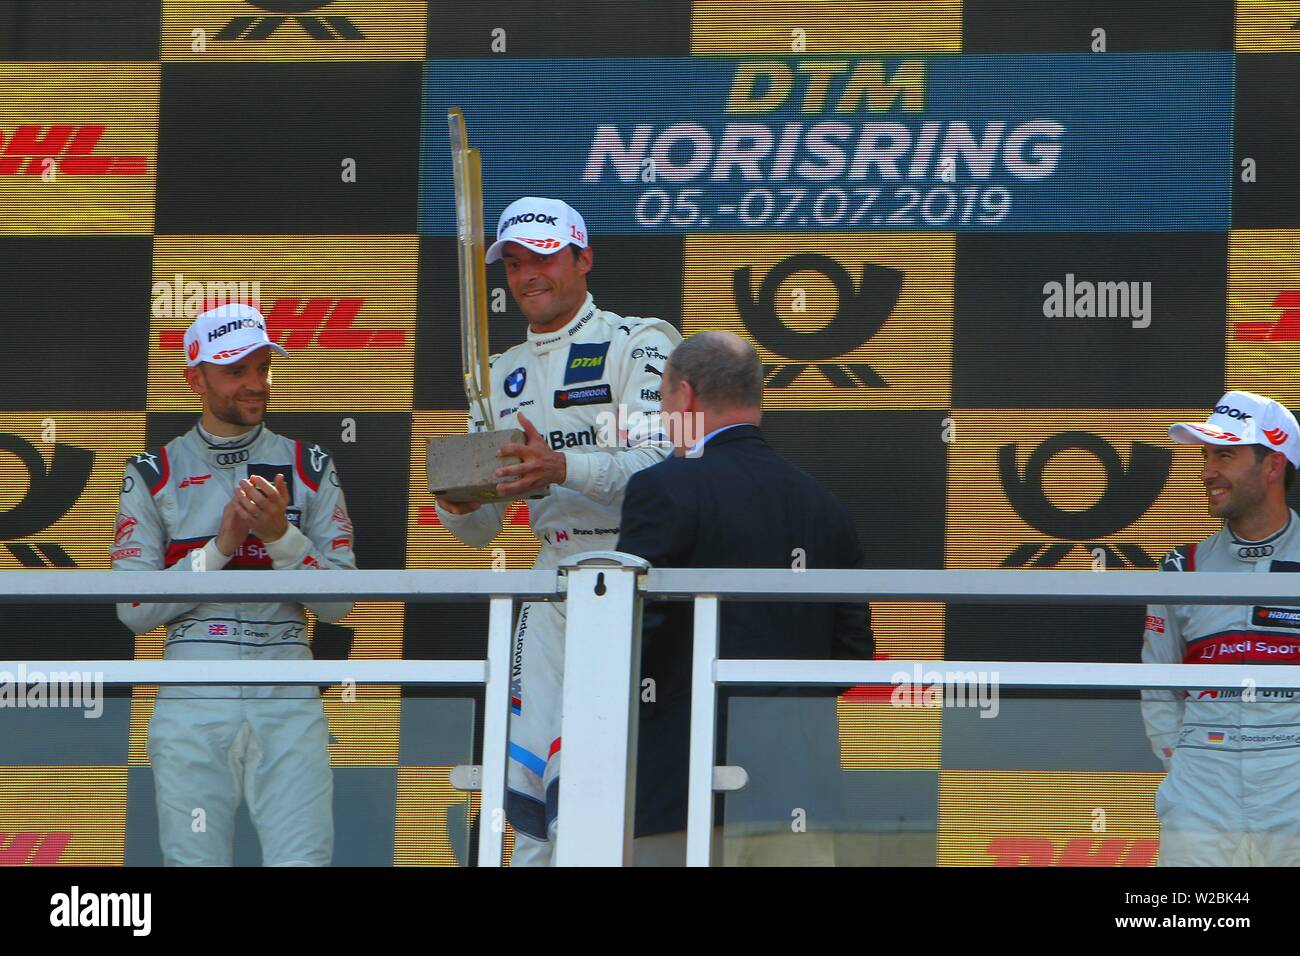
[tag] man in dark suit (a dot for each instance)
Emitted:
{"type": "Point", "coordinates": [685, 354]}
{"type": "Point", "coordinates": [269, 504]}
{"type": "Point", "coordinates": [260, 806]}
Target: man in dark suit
{"type": "Point", "coordinates": [730, 501]}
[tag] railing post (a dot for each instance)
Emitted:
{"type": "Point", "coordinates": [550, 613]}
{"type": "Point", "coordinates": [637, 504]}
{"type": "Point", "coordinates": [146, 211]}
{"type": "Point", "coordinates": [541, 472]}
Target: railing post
{"type": "Point", "coordinates": [704, 707]}
{"type": "Point", "coordinates": [602, 665]}
{"type": "Point", "coordinates": [496, 718]}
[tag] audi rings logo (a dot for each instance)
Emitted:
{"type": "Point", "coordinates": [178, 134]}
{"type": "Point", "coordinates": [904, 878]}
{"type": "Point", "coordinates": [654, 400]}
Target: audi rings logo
{"type": "Point", "coordinates": [1255, 551]}
{"type": "Point", "coordinates": [231, 457]}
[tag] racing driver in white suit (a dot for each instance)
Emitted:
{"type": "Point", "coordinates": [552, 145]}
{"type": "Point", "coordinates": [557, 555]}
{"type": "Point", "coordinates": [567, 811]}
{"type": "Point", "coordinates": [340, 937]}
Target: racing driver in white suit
{"type": "Point", "coordinates": [579, 368]}
{"type": "Point", "coordinates": [231, 494]}
{"type": "Point", "coordinates": [1233, 753]}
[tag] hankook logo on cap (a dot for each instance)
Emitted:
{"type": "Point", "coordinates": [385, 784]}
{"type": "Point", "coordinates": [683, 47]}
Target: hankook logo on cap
{"type": "Point", "coordinates": [528, 217]}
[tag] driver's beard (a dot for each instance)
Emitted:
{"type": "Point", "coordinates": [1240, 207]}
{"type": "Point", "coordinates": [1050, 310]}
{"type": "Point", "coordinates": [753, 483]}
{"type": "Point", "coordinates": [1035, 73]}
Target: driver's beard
{"type": "Point", "coordinates": [232, 414]}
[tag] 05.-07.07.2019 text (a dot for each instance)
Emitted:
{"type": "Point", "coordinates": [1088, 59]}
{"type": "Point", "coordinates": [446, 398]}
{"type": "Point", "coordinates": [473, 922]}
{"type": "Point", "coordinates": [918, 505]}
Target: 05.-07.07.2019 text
{"type": "Point", "coordinates": [831, 206]}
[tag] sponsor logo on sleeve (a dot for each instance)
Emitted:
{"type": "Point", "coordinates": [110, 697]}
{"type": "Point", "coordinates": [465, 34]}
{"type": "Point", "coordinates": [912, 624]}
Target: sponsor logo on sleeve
{"type": "Point", "coordinates": [342, 520]}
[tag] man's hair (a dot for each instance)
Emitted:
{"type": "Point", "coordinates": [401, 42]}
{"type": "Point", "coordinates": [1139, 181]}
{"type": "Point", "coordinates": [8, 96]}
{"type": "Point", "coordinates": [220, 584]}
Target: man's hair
{"type": "Point", "coordinates": [1263, 451]}
{"type": "Point", "coordinates": [724, 371]}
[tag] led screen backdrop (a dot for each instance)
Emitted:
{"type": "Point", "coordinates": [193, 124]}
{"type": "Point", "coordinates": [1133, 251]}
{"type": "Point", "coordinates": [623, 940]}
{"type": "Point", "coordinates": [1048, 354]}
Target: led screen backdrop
{"type": "Point", "coordinates": [986, 250]}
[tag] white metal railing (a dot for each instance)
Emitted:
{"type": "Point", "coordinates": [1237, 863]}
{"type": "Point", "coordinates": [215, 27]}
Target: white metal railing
{"type": "Point", "coordinates": [500, 589]}
{"type": "Point", "coordinates": [605, 592]}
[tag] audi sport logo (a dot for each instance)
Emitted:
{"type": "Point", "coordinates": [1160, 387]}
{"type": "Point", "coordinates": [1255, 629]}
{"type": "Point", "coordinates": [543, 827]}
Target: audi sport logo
{"type": "Point", "coordinates": [541, 243]}
{"type": "Point", "coordinates": [194, 350]}
{"type": "Point", "coordinates": [1276, 435]}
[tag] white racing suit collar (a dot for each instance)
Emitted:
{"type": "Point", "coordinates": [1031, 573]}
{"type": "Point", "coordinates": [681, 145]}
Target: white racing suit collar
{"type": "Point", "coordinates": [540, 343]}
{"type": "Point", "coordinates": [1265, 548]}
{"type": "Point", "coordinates": [228, 453]}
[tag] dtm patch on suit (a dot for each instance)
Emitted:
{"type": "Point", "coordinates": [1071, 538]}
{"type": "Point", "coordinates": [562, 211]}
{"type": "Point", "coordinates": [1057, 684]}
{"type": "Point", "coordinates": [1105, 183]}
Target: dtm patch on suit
{"type": "Point", "coordinates": [589, 395]}
{"type": "Point", "coordinates": [586, 362]}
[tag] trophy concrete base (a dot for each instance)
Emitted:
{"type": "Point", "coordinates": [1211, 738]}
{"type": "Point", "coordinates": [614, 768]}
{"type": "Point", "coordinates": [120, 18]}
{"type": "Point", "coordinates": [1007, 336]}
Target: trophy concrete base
{"type": "Point", "coordinates": [461, 467]}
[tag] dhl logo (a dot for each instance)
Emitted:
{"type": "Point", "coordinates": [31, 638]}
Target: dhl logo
{"type": "Point", "coordinates": [32, 847]}
{"type": "Point", "coordinates": [327, 323]}
{"type": "Point", "coordinates": [1285, 329]}
{"type": "Point", "coordinates": [825, 86]}
{"type": "Point", "coordinates": [1078, 851]}
{"type": "Point", "coordinates": [33, 148]}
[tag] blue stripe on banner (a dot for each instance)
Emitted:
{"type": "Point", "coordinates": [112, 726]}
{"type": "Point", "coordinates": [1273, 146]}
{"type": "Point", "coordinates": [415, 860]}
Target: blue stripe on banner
{"type": "Point", "coordinates": [530, 760]}
{"type": "Point", "coordinates": [1005, 143]}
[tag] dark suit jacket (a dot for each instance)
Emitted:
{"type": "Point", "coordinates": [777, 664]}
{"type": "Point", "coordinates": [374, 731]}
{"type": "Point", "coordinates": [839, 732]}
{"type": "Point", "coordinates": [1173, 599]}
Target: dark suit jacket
{"type": "Point", "coordinates": [738, 505]}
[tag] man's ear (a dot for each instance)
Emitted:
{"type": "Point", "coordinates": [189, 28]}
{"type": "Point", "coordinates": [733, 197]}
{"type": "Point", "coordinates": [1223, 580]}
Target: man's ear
{"type": "Point", "coordinates": [194, 377]}
{"type": "Point", "coordinates": [692, 402]}
{"type": "Point", "coordinates": [586, 258]}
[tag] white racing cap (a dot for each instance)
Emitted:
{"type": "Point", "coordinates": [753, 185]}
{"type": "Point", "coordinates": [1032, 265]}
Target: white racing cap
{"type": "Point", "coordinates": [542, 225]}
{"type": "Point", "coordinates": [1244, 418]}
{"type": "Point", "coordinates": [225, 334]}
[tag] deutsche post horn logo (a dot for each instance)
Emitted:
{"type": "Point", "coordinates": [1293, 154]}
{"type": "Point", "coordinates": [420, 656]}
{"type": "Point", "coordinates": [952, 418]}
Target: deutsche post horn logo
{"type": "Point", "coordinates": [1129, 492]}
{"type": "Point", "coordinates": [51, 493]}
{"type": "Point", "coordinates": [318, 28]}
{"type": "Point", "coordinates": [861, 311]}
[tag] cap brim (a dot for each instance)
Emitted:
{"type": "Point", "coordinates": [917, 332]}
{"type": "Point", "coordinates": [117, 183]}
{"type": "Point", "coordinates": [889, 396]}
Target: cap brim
{"type": "Point", "coordinates": [1197, 433]}
{"type": "Point", "coordinates": [531, 243]}
{"type": "Point", "coordinates": [245, 352]}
